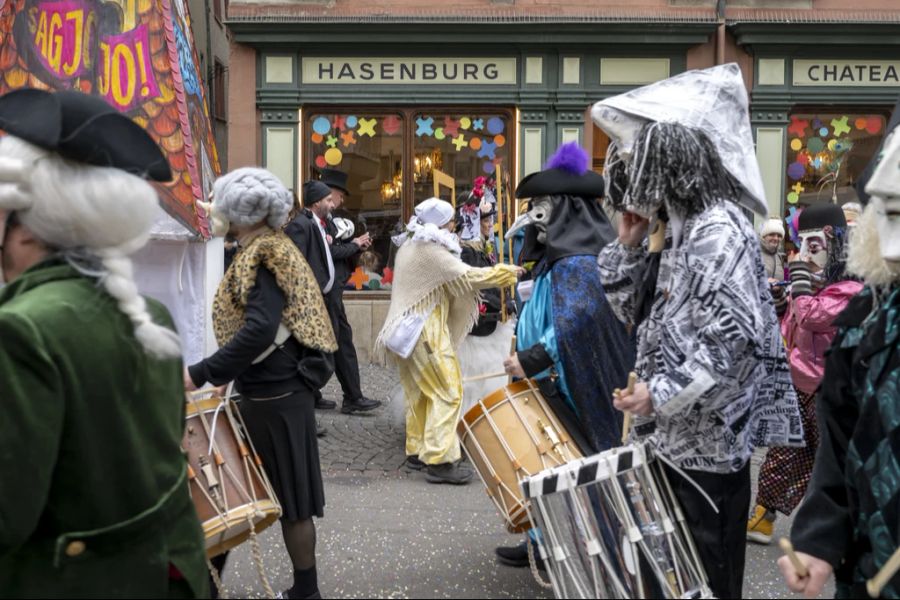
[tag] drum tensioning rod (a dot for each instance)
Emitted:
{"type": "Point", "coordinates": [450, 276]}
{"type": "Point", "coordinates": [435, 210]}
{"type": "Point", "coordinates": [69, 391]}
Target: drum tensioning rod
{"type": "Point", "coordinates": [600, 551]}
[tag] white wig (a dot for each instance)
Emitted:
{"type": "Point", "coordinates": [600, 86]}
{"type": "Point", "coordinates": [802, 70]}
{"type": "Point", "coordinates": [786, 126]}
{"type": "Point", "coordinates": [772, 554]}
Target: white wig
{"type": "Point", "coordinates": [84, 211]}
{"type": "Point", "coordinates": [251, 195]}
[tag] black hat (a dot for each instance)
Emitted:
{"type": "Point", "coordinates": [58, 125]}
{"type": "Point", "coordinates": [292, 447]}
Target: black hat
{"type": "Point", "coordinates": [313, 191]}
{"type": "Point", "coordinates": [84, 129]}
{"type": "Point", "coordinates": [819, 216]}
{"type": "Point", "coordinates": [336, 179]}
{"type": "Point", "coordinates": [566, 174]}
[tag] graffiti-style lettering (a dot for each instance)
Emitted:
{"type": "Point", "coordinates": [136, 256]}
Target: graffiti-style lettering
{"type": "Point", "coordinates": [126, 77]}
{"type": "Point", "coordinates": [58, 36]}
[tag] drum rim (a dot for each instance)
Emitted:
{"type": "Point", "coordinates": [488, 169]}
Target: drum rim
{"type": "Point", "coordinates": [221, 523]}
{"type": "Point", "coordinates": [493, 399]}
{"type": "Point", "coordinates": [195, 407]}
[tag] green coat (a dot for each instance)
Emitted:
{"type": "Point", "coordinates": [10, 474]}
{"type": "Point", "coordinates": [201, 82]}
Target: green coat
{"type": "Point", "coordinates": [93, 495]}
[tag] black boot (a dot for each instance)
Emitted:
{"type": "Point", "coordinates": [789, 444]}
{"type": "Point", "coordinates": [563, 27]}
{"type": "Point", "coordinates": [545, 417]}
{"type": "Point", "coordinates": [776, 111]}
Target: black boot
{"type": "Point", "coordinates": [359, 405]}
{"type": "Point", "coordinates": [448, 473]}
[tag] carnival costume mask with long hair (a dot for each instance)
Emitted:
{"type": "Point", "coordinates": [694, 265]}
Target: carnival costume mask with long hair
{"type": "Point", "coordinates": [884, 187]}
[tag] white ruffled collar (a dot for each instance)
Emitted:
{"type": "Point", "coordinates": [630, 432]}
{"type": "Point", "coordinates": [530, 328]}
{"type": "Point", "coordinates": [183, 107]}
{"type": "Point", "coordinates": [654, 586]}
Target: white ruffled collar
{"type": "Point", "coordinates": [427, 232]}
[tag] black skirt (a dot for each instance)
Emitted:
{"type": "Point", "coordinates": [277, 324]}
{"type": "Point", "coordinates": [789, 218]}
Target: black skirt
{"type": "Point", "coordinates": [283, 432]}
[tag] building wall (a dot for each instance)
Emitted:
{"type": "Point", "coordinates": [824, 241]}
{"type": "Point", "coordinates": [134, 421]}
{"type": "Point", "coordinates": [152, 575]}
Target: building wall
{"type": "Point", "coordinates": [559, 76]}
{"type": "Point", "coordinates": [211, 38]}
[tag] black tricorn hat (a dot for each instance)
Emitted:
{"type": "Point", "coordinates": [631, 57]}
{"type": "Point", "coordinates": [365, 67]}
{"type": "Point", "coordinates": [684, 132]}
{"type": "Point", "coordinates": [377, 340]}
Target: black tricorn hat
{"type": "Point", "coordinates": [84, 129]}
{"type": "Point", "coordinates": [336, 179]}
{"type": "Point", "coordinates": [566, 173]}
{"type": "Point", "coordinates": [818, 216]}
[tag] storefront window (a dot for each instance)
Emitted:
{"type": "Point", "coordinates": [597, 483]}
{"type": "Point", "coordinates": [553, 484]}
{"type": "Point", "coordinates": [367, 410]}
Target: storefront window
{"type": "Point", "coordinates": [827, 152]}
{"type": "Point", "coordinates": [392, 158]}
{"type": "Point", "coordinates": [460, 146]}
{"type": "Point", "coordinates": [368, 146]}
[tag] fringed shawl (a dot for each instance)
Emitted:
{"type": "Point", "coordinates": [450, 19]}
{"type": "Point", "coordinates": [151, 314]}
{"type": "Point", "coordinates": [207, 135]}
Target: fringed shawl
{"type": "Point", "coordinates": [423, 272]}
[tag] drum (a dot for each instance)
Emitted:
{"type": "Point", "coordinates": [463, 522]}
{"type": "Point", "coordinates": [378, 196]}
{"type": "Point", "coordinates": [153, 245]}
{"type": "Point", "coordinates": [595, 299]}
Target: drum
{"type": "Point", "coordinates": [230, 490]}
{"type": "Point", "coordinates": [509, 435]}
{"type": "Point", "coordinates": [609, 526]}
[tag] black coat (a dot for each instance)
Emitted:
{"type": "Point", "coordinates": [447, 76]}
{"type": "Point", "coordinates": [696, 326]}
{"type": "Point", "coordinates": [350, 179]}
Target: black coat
{"type": "Point", "coordinates": [304, 232]}
{"type": "Point", "coordinates": [490, 298]}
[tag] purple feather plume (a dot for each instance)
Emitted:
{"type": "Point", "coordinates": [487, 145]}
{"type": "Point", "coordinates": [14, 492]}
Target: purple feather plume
{"type": "Point", "coordinates": [571, 158]}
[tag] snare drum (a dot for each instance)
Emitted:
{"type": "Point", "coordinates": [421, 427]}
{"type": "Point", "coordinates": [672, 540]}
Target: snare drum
{"type": "Point", "coordinates": [511, 434]}
{"type": "Point", "coordinates": [230, 490]}
{"type": "Point", "coordinates": [609, 526]}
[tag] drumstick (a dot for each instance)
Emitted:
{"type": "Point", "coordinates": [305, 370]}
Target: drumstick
{"type": "Point", "coordinates": [483, 377]}
{"type": "Point", "coordinates": [884, 575]}
{"type": "Point", "coordinates": [788, 550]}
{"type": "Point", "coordinates": [626, 424]}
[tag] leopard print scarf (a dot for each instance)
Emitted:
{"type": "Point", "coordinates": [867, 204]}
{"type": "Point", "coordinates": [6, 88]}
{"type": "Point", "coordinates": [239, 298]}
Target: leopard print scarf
{"type": "Point", "coordinates": [304, 311]}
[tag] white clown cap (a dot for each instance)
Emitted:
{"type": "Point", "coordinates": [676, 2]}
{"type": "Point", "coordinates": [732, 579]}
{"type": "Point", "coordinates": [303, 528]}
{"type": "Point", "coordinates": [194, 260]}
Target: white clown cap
{"type": "Point", "coordinates": [772, 225]}
{"type": "Point", "coordinates": [434, 211]}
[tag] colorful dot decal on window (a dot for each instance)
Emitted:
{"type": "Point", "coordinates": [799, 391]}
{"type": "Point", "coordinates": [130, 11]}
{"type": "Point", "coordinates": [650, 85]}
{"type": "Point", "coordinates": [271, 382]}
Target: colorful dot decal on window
{"type": "Point", "coordinates": [823, 131]}
{"type": "Point", "coordinates": [317, 138]}
{"type": "Point", "coordinates": [333, 156]}
{"type": "Point", "coordinates": [489, 167]}
{"type": "Point", "coordinates": [796, 171]}
{"type": "Point", "coordinates": [465, 122]}
{"type": "Point", "coordinates": [500, 140]}
{"type": "Point", "coordinates": [320, 162]}
{"type": "Point", "coordinates": [495, 125]}
{"type": "Point", "coordinates": [860, 123]}
{"type": "Point", "coordinates": [815, 145]}
{"type": "Point", "coordinates": [793, 197]}
{"type": "Point", "coordinates": [439, 134]}
{"type": "Point", "coordinates": [352, 121]}
{"type": "Point", "coordinates": [873, 125]}
{"type": "Point", "coordinates": [832, 144]}
{"type": "Point", "coordinates": [796, 144]}
{"type": "Point", "coordinates": [322, 125]}
{"type": "Point", "coordinates": [391, 124]}
{"type": "Point", "coordinates": [475, 143]}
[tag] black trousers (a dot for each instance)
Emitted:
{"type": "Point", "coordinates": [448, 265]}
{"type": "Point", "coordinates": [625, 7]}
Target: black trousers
{"type": "Point", "coordinates": [346, 365]}
{"type": "Point", "coordinates": [720, 538]}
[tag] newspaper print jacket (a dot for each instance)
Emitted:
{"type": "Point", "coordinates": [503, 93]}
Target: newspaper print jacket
{"type": "Point", "coordinates": [710, 349]}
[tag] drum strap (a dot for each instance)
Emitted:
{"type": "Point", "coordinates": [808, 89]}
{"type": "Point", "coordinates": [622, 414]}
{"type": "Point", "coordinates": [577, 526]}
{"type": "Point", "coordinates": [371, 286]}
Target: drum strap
{"type": "Point", "coordinates": [681, 472]}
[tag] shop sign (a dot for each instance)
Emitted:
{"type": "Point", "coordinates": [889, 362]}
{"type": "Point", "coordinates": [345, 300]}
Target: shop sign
{"type": "Point", "coordinates": [842, 73]}
{"type": "Point", "coordinates": [409, 71]}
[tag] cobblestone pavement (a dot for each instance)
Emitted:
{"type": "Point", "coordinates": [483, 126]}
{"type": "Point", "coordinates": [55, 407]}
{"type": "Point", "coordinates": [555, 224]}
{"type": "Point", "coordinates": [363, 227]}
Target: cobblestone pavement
{"type": "Point", "coordinates": [389, 534]}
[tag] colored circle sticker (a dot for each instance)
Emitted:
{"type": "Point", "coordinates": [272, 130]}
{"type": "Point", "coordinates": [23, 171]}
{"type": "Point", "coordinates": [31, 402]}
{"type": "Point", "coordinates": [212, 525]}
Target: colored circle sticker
{"type": "Point", "coordinates": [465, 122]}
{"type": "Point", "coordinates": [333, 156]}
{"type": "Point", "coordinates": [439, 133]}
{"type": "Point", "coordinates": [500, 140]}
{"type": "Point", "coordinates": [823, 132]}
{"type": "Point", "coordinates": [873, 125]}
{"type": "Point", "coordinates": [322, 125]}
{"type": "Point", "coordinates": [796, 144]}
{"type": "Point", "coordinates": [803, 158]}
{"type": "Point", "coordinates": [317, 138]}
{"type": "Point", "coordinates": [796, 171]}
{"type": "Point", "coordinates": [793, 197]}
{"type": "Point", "coordinates": [495, 125]}
{"type": "Point", "coordinates": [832, 144]}
{"type": "Point", "coordinates": [815, 145]}
{"type": "Point", "coordinates": [475, 143]}
{"type": "Point", "coordinates": [489, 167]}
{"type": "Point", "coordinates": [320, 162]}
{"type": "Point", "coordinates": [860, 123]}
{"type": "Point", "coordinates": [352, 121]}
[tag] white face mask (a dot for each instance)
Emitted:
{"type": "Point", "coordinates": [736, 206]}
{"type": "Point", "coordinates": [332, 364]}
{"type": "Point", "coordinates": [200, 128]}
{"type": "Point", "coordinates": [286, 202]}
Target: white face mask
{"type": "Point", "coordinates": [888, 212]}
{"type": "Point", "coordinates": [814, 247]}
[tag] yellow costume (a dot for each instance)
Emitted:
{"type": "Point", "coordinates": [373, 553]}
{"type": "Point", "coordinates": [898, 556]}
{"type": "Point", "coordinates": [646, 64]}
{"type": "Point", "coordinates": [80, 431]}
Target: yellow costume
{"type": "Point", "coordinates": [430, 279]}
{"type": "Point", "coordinates": [431, 378]}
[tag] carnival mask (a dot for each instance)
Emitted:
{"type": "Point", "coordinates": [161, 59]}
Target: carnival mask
{"type": "Point", "coordinates": [814, 246]}
{"type": "Point", "coordinates": [539, 216]}
{"type": "Point", "coordinates": [888, 213]}
{"type": "Point", "coordinates": [884, 188]}
{"type": "Point", "coordinates": [219, 223]}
